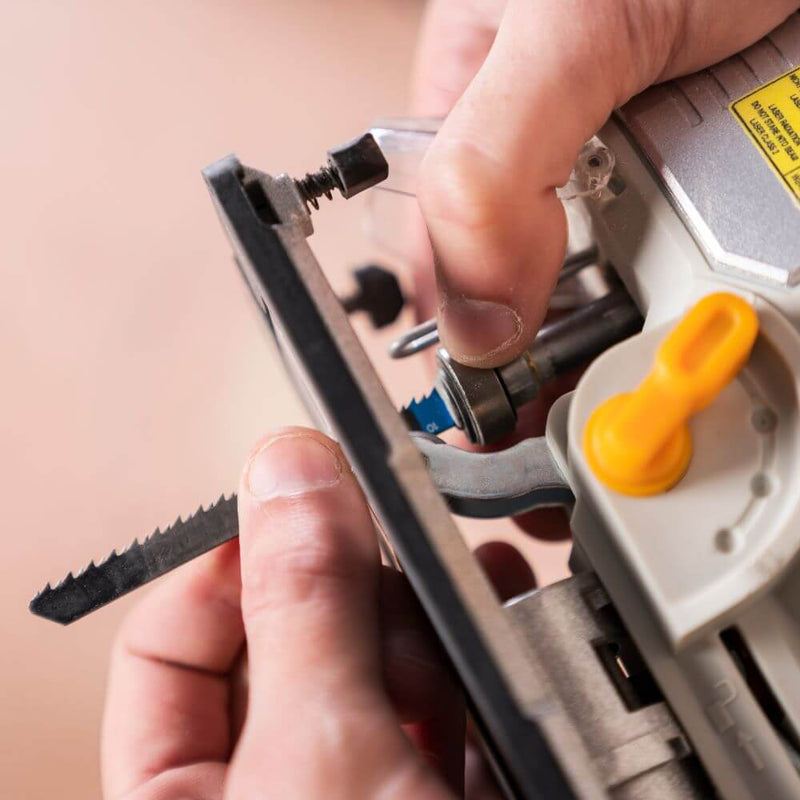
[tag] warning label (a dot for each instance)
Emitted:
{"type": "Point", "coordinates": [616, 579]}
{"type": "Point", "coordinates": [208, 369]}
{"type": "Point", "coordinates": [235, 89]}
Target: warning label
{"type": "Point", "coordinates": [771, 116]}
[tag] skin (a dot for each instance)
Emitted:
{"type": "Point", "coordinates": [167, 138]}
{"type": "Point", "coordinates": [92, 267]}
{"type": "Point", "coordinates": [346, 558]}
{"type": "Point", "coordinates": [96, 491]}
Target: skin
{"type": "Point", "coordinates": [522, 86]}
{"type": "Point", "coordinates": [291, 663]}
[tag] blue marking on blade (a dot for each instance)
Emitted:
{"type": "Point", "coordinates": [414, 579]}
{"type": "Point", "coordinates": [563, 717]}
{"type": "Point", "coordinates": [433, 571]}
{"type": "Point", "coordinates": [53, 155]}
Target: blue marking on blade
{"type": "Point", "coordinates": [431, 413]}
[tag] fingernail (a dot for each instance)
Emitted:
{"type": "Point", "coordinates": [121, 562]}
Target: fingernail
{"type": "Point", "coordinates": [291, 465]}
{"type": "Point", "coordinates": [477, 329]}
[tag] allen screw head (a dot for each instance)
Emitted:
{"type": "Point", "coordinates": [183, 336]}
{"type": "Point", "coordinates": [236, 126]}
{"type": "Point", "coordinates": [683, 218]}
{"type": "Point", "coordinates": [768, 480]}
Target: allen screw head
{"type": "Point", "coordinates": [358, 165]}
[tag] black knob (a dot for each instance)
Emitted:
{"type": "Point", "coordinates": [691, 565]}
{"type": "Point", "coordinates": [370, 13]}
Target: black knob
{"type": "Point", "coordinates": [352, 167]}
{"type": "Point", "coordinates": [358, 164]}
{"type": "Point", "coordinates": [378, 293]}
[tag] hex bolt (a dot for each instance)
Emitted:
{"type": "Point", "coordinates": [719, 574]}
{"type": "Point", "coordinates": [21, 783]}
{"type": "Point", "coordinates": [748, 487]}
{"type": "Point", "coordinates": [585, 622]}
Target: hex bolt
{"type": "Point", "coordinates": [378, 294]}
{"type": "Point", "coordinates": [352, 167]}
{"type": "Point", "coordinates": [484, 402]}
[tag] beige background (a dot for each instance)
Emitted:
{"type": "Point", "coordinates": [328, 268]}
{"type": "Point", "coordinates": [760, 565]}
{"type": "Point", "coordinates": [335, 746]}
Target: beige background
{"type": "Point", "coordinates": [135, 373]}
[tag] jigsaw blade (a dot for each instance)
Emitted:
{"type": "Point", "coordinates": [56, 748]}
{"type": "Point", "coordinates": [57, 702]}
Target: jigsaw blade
{"type": "Point", "coordinates": [429, 415]}
{"type": "Point", "coordinates": [120, 573]}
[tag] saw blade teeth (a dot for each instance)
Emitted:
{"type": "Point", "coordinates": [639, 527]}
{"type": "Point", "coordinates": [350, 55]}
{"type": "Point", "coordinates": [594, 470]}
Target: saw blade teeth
{"type": "Point", "coordinates": [428, 414]}
{"type": "Point", "coordinates": [69, 577]}
{"type": "Point", "coordinates": [73, 577]}
{"type": "Point", "coordinates": [140, 562]}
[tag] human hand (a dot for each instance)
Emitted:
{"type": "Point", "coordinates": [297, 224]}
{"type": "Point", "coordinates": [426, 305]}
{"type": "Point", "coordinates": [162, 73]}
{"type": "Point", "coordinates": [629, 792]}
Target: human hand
{"type": "Point", "coordinates": [343, 692]}
{"type": "Point", "coordinates": [523, 84]}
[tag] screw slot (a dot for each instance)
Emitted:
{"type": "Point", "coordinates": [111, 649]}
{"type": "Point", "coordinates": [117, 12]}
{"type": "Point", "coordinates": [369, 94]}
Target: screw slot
{"type": "Point", "coordinates": [764, 420]}
{"type": "Point", "coordinates": [725, 540]}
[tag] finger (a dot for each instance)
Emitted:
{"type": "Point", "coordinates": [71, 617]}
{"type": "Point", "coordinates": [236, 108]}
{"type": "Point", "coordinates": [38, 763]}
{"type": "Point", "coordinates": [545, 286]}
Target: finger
{"type": "Point", "coordinates": [479, 780]}
{"type": "Point", "coordinates": [546, 524]}
{"type": "Point", "coordinates": [167, 704]}
{"type": "Point", "coordinates": [319, 721]}
{"type": "Point", "coordinates": [454, 41]}
{"type": "Point", "coordinates": [550, 80]}
{"type": "Point", "coordinates": [506, 568]}
{"type": "Point", "coordinates": [440, 741]}
{"type": "Point", "coordinates": [415, 670]}
{"type": "Point", "coordinates": [203, 781]}
{"type": "Point", "coordinates": [420, 681]}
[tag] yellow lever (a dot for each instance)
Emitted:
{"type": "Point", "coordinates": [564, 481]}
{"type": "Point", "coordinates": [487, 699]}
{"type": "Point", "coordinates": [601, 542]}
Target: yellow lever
{"type": "Point", "coordinates": [639, 443]}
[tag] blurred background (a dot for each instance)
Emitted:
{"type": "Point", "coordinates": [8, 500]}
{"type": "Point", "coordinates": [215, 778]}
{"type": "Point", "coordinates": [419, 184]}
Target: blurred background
{"type": "Point", "coordinates": [136, 375]}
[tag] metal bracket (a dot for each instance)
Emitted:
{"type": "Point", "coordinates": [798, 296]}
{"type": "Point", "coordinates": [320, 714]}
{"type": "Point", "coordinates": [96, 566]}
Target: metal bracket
{"type": "Point", "coordinates": [502, 484]}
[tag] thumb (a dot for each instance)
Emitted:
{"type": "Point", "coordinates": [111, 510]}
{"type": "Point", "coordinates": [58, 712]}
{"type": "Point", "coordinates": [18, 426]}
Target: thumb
{"type": "Point", "coordinates": [487, 189]}
{"type": "Point", "coordinates": [555, 72]}
{"type": "Point", "coordinates": [319, 722]}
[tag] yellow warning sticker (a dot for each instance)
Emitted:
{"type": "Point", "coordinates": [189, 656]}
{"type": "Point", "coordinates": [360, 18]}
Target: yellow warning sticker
{"type": "Point", "coordinates": [771, 116]}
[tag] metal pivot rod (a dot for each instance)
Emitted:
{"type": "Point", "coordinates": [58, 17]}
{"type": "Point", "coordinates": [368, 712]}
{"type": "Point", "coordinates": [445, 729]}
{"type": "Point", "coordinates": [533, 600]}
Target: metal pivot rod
{"type": "Point", "coordinates": [484, 402]}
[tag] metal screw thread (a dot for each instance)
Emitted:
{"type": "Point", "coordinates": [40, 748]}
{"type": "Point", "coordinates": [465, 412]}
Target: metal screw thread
{"type": "Point", "coordinates": [316, 184]}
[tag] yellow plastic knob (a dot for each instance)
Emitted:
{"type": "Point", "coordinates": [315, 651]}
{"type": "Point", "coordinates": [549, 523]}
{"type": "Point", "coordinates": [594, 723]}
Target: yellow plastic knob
{"type": "Point", "coordinates": [639, 443]}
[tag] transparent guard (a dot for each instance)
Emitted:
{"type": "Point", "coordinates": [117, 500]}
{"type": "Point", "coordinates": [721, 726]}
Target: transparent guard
{"type": "Point", "coordinates": [392, 218]}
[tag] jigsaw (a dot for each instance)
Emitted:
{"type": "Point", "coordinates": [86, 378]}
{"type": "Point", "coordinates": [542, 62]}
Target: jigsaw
{"type": "Point", "coordinates": [668, 665]}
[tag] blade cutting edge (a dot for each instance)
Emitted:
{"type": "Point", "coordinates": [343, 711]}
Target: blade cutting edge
{"type": "Point", "coordinates": [99, 584]}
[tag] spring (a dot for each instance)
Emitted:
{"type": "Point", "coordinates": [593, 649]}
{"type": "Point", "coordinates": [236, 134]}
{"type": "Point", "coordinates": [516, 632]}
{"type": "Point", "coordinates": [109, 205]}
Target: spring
{"type": "Point", "coordinates": [316, 184]}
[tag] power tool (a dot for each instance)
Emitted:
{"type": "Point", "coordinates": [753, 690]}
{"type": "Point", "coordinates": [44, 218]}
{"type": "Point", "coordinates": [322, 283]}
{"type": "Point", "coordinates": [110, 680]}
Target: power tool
{"type": "Point", "coordinates": [668, 665]}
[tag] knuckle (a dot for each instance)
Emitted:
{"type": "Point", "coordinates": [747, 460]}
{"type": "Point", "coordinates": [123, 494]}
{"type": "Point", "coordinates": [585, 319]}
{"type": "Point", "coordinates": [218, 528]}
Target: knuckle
{"type": "Point", "coordinates": [125, 633]}
{"type": "Point", "coordinates": [204, 589]}
{"type": "Point", "coordinates": [652, 35]}
{"type": "Point", "coordinates": [128, 637]}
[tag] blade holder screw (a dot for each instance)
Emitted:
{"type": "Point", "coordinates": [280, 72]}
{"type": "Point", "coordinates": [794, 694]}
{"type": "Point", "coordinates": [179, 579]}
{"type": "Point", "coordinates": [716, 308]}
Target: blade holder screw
{"type": "Point", "coordinates": [352, 167]}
